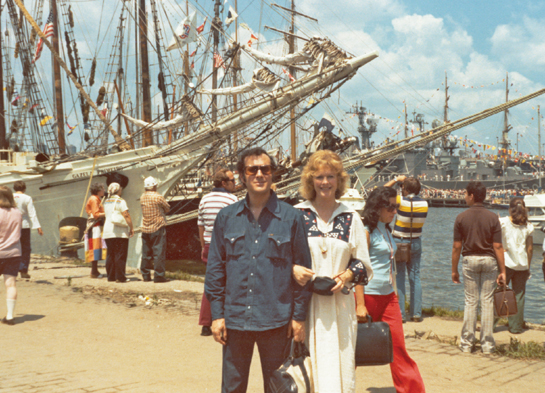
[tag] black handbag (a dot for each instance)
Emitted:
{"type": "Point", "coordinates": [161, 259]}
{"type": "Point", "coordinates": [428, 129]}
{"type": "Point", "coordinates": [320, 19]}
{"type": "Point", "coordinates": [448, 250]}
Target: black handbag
{"type": "Point", "coordinates": [374, 344]}
{"type": "Point", "coordinates": [322, 285]}
{"type": "Point", "coordinates": [295, 375]}
{"type": "Point", "coordinates": [403, 252]}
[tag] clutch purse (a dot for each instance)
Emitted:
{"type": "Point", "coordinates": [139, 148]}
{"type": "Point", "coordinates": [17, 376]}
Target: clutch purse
{"type": "Point", "coordinates": [505, 303]}
{"type": "Point", "coordinates": [374, 344]}
{"type": "Point", "coordinates": [322, 285]}
{"type": "Point", "coordinates": [403, 252]}
{"type": "Point", "coordinates": [295, 375]}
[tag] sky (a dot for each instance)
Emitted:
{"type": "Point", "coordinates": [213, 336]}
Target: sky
{"type": "Point", "coordinates": [475, 42]}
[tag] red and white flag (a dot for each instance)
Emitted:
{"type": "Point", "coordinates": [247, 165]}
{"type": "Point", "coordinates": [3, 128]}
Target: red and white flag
{"type": "Point", "coordinates": [288, 74]}
{"type": "Point", "coordinates": [218, 61]}
{"type": "Point", "coordinates": [48, 32]}
{"type": "Point", "coordinates": [200, 29]}
{"type": "Point", "coordinates": [251, 40]}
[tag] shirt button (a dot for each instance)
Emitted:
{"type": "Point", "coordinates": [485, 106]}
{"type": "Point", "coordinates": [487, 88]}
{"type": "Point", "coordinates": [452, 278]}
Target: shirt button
{"type": "Point", "coordinates": [251, 274]}
{"type": "Point", "coordinates": [256, 241]}
{"type": "Point", "coordinates": [253, 257]}
{"type": "Point", "coordinates": [249, 306]}
{"type": "Point", "coordinates": [250, 290]}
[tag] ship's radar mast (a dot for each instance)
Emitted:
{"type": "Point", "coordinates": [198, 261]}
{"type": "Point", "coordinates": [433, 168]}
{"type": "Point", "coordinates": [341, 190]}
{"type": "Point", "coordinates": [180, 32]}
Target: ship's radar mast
{"type": "Point", "coordinates": [367, 124]}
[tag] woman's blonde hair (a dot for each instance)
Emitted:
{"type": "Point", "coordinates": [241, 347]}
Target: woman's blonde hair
{"type": "Point", "coordinates": [6, 198]}
{"type": "Point", "coordinates": [315, 163]}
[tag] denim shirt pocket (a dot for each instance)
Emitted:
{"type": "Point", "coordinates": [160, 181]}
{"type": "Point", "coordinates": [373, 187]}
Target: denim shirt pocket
{"type": "Point", "coordinates": [234, 245]}
{"type": "Point", "coordinates": [278, 247]}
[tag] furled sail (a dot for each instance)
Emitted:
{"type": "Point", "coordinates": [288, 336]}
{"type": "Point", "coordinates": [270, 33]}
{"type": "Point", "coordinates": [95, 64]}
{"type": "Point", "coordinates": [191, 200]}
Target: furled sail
{"type": "Point", "coordinates": [263, 79]}
{"type": "Point", "coordinates": [293, 58]}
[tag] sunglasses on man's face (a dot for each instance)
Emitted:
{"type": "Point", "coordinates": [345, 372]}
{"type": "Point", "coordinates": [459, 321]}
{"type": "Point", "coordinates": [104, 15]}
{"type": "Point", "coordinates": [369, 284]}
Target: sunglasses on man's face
{"type": "Point", "coordinates": [253, 169]}
{"type": "Point", "coordinates": [392, 208]}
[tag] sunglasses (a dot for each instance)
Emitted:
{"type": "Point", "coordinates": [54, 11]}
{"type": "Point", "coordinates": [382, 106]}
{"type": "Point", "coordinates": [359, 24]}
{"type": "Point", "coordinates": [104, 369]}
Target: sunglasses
{"type": "Point", "coordinates": [392, 208]}
{"type": "Point", "coordinates": [253, 169]}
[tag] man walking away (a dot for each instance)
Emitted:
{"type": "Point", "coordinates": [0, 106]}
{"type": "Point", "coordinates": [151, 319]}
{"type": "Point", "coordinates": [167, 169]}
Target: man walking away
{"type": "Point", "coordinates": [249, 284]}
{"type": "Point", "coordinates": [154, 235]}
{"type": "Point", "coordinates": [30, 221]}
{"type": "Point", "coordinates": [477, 235]}
{"type": "Point", "coordinates": [220, 196]}
{"type": "Point", "coordinates": [405, 229]}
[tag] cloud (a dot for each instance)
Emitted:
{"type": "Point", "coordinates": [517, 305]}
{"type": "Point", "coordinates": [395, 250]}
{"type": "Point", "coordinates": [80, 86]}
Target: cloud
{"type": "Point", "coordinates": [520, 45]}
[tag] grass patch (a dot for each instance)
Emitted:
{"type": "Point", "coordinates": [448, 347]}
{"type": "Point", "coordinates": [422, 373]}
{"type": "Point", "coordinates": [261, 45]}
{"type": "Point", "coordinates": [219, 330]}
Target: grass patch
{"type": "Point", "coordinates": [522, 350]}
{"type": "Point", "coordinates": [434, 311]}
{"type": "Point", "coordinates": [181, 275]}
{"type": "Point", "coordinates": [185, 269]}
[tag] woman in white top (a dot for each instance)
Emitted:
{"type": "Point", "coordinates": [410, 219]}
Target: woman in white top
{"type": "Point", "coordinates": [518, 245]}
{"type": "Point", "coordinates": [30, 221]}
{"type": "Point", "coordinates": [336, 235]}
{"type": "Point", "coordinates": [116, 233]}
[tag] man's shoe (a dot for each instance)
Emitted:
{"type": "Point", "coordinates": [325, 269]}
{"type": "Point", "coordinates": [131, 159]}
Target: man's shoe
{"type": "Point", "coordinates": [466, 349]}
{"type": "Point", "coordinates": [98, 275]}
{"type": "Point", "coordinates": [122, 281]}
{"type": "Point", "coordinates": [159, 279]}
{"type": "Point", "coordinates": [416, 319]}
{"type": "Point", "coordinates": [10, 322]}
{"type": "Point", "coordinates": [146, 278]}
{"type": "Point", "coordinates": [206, 331]}
{"type": "Point", "coordinates": [25, 275]}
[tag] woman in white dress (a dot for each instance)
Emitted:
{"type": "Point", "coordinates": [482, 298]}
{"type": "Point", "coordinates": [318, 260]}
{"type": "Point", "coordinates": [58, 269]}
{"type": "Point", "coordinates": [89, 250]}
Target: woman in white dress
{"type": "Point", "coordinates": [518, 243]}
{"type": "Point", "coordinates": [336, 235]}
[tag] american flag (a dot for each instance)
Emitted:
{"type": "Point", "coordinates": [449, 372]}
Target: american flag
{"type": "Point", "coordinates": [218, 61]}
{"type": "Point", "coordinates": [48, 32]}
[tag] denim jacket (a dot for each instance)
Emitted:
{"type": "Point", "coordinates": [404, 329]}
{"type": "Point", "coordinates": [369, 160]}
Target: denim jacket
{"type": "Point", "coordinates": [249, 271]}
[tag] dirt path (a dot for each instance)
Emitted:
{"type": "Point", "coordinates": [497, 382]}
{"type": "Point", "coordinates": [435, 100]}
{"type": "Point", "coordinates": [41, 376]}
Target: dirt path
{"type": "Point", "coordinates": [84, 338]}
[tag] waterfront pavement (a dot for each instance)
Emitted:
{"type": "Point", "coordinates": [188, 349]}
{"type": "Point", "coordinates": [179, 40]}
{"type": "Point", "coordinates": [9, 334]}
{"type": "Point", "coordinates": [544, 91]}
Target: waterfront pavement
{"type": "Point", "coordinates": [71, 339]}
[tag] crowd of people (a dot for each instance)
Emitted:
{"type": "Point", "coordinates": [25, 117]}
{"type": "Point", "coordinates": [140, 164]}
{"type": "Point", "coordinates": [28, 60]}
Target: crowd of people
{"type": "Point", "coordinates": [308, 273]}
{"type": "Point", "coordinates": [491, 194]}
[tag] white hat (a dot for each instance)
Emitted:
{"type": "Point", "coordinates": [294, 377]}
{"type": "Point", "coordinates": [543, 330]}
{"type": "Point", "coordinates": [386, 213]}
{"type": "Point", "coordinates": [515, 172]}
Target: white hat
{"type": "Point", "coordinates": [150, 182]}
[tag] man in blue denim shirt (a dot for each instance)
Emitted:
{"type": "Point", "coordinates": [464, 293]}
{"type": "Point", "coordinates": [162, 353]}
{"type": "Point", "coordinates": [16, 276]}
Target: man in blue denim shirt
{"type": "Point", "coordinates": [249, 283]}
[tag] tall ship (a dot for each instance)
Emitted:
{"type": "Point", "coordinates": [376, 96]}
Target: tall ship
{"type": "Point", "coordinates": [188, 131]}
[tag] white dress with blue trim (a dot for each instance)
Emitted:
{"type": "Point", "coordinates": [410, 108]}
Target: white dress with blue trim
{"type": "Point", "coordinates": [331, 320]}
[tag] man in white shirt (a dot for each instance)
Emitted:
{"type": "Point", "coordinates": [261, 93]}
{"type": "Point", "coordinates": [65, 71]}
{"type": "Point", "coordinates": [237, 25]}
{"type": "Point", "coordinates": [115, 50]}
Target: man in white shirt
{"type": "Point", "coordinates": [30, 221]}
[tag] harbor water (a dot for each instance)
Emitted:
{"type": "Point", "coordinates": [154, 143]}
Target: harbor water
{"type": "Point", "coordinates": [437, 286]}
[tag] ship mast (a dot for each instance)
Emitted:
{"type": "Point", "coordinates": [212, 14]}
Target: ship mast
{"type": "Point", "coordinates": [539, 144]}
{"type": "Point", "coordinates": [445, 118]}
{"type": "Point", "coordinates": [506, 127]}
{"type": "Point", "coordinates": [57, 78]}
{"type": "Point", "coordinates": [216, 25]}
{"type": "Point", "coordinates": [406, 123]}
{"type": "Point", "coordinates": [292, 73]}
{"type": "Point", "coordinates": [144, 62]}
{"type": "Point", "coordinates": [3, 139]}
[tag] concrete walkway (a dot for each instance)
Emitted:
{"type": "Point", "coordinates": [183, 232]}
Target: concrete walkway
{"type": "Point", "coordinates": [68, 340]}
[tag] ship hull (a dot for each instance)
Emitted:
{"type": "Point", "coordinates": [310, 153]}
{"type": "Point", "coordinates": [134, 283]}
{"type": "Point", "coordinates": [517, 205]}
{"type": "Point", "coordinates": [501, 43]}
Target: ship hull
{"type": "Point", "coordinates": [63, 191]}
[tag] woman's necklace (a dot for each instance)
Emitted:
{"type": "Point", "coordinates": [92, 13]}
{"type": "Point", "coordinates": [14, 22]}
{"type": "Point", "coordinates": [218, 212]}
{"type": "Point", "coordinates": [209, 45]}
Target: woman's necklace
{"type": "Point", "coordinates": [323, 246]}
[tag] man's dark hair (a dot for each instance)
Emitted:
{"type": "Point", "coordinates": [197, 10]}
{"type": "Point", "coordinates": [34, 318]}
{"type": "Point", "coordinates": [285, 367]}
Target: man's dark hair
{"type": "Point", "coordinates": [19, 185]}
{"type": "Point", "coordinates": [411, 185]}
{"type": "Point", "coordinates": [255, 151]}
{"type": "Point", "coordinates": [96, 188]}
{"type": "Point", "coordinates": [220, 176]}
{"type": "Point", "coordinates": [478, 190]}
